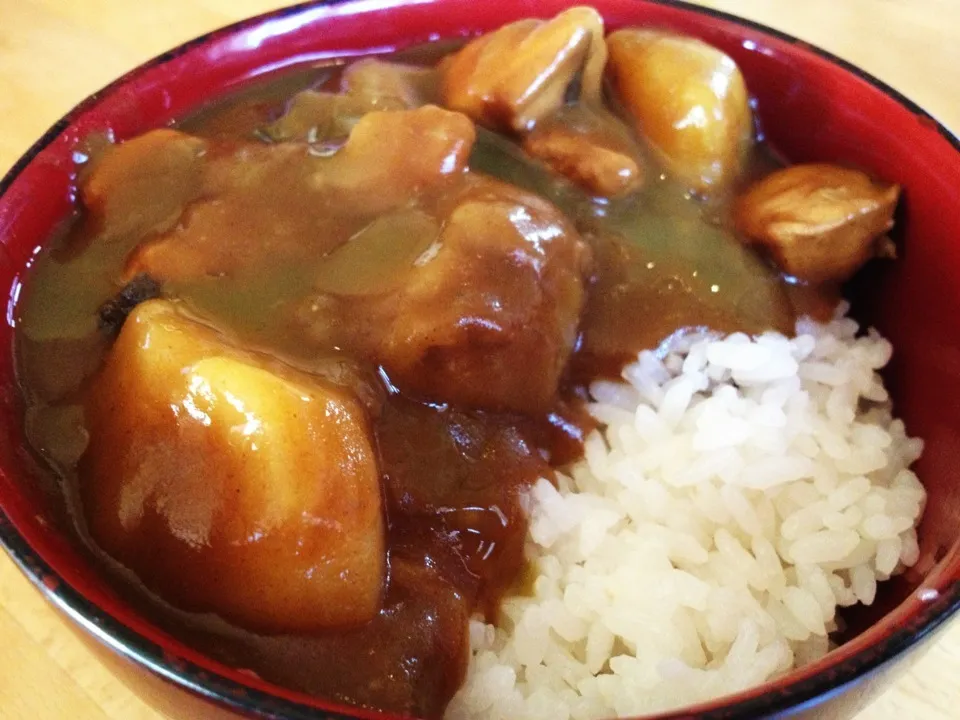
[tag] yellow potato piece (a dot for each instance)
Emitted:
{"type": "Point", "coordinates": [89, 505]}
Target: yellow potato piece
{"type": "Point", "coordinates": [231, 484]}
{"type": "Point", "coordinates": [687, 98]}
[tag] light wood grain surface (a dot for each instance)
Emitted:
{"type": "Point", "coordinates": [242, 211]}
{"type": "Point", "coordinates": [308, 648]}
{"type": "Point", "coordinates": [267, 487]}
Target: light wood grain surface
{"type": "Point", "coordinates": [55, 52]}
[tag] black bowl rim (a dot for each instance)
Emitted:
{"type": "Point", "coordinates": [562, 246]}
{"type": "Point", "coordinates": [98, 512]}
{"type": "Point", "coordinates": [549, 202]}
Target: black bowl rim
{"type": "Point", "coordinates": [252, 702]}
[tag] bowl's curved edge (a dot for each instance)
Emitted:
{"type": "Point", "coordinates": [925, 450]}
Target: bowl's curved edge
{"type": "Point", "coordinates": [254, 702]}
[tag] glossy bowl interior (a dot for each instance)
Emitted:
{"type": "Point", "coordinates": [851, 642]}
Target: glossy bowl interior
{"type": "Point", "coordinates": [811, 107]}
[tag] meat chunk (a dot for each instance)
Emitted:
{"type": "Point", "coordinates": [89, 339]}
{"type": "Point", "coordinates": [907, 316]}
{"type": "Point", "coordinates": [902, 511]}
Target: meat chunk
{"type": "Point", "coordinates": [687, 98]}
{"type": "Point", "coordinates": [231, 484]}
{"type": "Point", "coordinates": [484, 316]}
{"type": "Point", "coordinates": [141, 185]}
{"type": "Point", "coordinates": [489, 318]}
{"type": "Point", "coordinates": [588, 160]}
{"type": "Point", "coordinates": [512, 78]}
{"type": "Point", "coordinates": [819, 222]}
{"type": "Point", "coordinates": [282, 204]}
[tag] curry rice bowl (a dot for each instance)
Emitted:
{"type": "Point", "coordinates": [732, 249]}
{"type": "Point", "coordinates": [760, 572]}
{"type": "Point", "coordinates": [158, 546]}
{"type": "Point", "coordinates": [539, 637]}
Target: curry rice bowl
{"type": "Point", "coordinates": [741, 491]}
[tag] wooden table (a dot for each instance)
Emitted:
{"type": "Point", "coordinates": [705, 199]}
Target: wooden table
{"type": "Point", "coordinates": [55, 52]}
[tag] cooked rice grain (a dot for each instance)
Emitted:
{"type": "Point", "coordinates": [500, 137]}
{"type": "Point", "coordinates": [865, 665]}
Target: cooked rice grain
{"type": "Point", "coordinates": [741, 491]}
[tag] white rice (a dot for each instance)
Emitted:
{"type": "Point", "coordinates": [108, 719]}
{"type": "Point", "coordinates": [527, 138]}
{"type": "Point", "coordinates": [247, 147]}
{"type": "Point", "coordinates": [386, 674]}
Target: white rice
{"type": "Point", "coordinates": [741, 491]}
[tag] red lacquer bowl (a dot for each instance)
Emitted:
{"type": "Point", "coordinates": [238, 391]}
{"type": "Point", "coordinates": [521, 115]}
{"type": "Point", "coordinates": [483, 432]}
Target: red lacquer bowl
{"type": "Point", "coordinates": [812, 106]}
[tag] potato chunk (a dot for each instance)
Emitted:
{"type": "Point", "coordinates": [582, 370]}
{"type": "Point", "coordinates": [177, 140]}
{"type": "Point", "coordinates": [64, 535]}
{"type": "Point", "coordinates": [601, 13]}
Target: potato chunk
{"type": "Point", "coordinates": [687, 98]}
{"type": "Point", "coordinates": [819, 222]}
{"type": "Point", "coordinates": [231, 485]}
{"type": "Point", "coordinates": [511, 78]}
{"type": "Point", "coordinates": [489, 318]}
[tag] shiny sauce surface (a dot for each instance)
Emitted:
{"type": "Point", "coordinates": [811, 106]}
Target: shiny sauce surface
{"type": "Point", "coordinates": [662, 262]}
